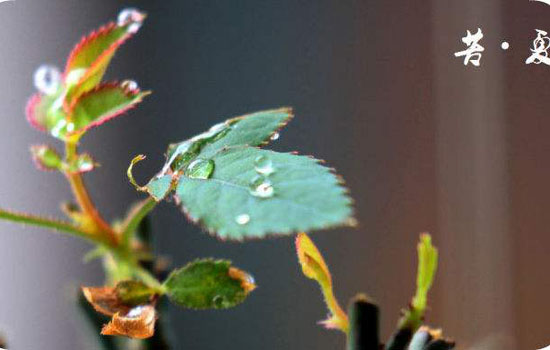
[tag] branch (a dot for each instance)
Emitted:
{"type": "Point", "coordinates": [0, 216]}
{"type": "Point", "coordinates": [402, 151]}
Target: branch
{"type": "Point", "coordinates": [135, 217]}
{"type": "Point", "coordinates": [52, 224]}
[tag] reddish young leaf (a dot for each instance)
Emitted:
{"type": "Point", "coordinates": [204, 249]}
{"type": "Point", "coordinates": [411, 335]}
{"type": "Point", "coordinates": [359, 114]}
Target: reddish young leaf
{"type": "Point", "coordinates": [46, 158]}
{"type": "Point", "coordinates": [101, 104]}
{"type": "Point", "coordinates": [90, 58]}
{"type": "Point", "coordinates": [41, 114]}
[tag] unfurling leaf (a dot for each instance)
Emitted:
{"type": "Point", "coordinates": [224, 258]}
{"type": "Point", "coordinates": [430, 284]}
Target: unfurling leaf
{"type": "Point", "coordinates": [208, 284]}
{"type": "Point", "coordinates": [52, 109]}
{"type": "Point", "coordinates": [46, 158]}
{"type": "Point", "coordinates": [427, 266]}
{"type": "Point", "coordinates": [138, 323]}
{"type": "Point", "coordinates": [236, 190]}
{"type": "Point", "coordinates": [314, 267]}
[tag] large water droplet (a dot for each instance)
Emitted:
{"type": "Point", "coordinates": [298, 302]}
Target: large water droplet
{"type": "Point", "coordinates": [242, 219]}
{"type": "Point", "coordinates": [264, 165]}
{"type": "Point", "coordinates": [129, 85]}
{"type": "Point", "coordinates": [131, 17]}
{"type": "Point", "coordinates": [275, 136]}
{"type": "Point", "coordinates": [261, 187]}
{"type": "Point", "coordinates": [47, 79]}
{"type": "Point", "coordinates": [200, 169]}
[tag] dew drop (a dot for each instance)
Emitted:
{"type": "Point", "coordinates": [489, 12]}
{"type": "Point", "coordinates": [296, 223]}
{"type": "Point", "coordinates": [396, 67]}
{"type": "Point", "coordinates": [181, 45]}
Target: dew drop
{"type": "Point", "coordinates": [135, 312]}
{"type": "Point", "coordinates": [131, 17]}
{"type": "Point", "coordinates": [129, 85]}
{"type": "Point", "coordinates": [261, 187]}
{"type": "Point", "coordinates": [200, 168]}
{"type": "Point", "coordinates": [218, 301]}
{"type": "Point", "coordinates": [47, 79]}
{"type": "Point", "coordinates": [250, 279]}
{"type": "Point", "coordinates": [275, 136]}
{"type": "Point", "coordinates": [60, 128]}
{"type": "Point", "coordinates": [242, 219]}
{"type": "Point", "coordinates": [74, 76]}
{"type": "Point", "coordinates": [264, 165]}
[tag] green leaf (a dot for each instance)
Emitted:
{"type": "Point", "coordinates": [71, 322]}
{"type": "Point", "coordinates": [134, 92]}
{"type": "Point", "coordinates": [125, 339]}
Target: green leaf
{"type": "Point", "coordinates": [90, 58]}
{"type": "Point", "coordinates": [46, 158]}
{"type": "Point", "coordinates": [97, 106]}
{"type": "Point", "coordinates": [134, 293]}
{"type": "Point", "coordinates": [240, 200]}
{"type": "Point", "coordinates": [208, 284]}
{"type": "Point", "coordinates": [427, 266]}
{"type": "Point", "coordinates": [45, 112]}
{"type": "Point", "coordinates": [238, 191]}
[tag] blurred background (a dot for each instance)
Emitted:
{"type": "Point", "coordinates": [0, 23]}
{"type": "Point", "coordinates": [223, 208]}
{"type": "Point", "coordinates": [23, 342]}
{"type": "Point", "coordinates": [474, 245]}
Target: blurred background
{"type": "Point", "coordinates": [424, 143]}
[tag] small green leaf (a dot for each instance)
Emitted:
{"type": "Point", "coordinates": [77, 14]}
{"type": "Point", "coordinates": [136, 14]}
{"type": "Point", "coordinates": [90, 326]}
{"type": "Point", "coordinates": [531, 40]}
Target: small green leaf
{"type": "Point", "coordinates": [46, 158]}
{"type": "Point", "coordinates": [90, 58]}
{"type": "Point", "coordinates": [208, 284]}
{"type": "Point", "coordinates": [427, 266]}
{"type": "Point", "coordinates": [97, 106]}
{"type": "Point", "coordinates": [297, 195]}
{"type": "Point", "coordinates": [134, 293]}
{"type": "Point", "coordinates": [45, 112]}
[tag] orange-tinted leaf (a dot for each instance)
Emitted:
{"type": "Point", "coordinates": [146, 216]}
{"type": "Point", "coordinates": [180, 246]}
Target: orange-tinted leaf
{"type": "Point", "coordinates": [105, 300]}
{"type": "Point", "coordinates": [139, 323]}
{"type": "Point", "coordinates": [314, 267]}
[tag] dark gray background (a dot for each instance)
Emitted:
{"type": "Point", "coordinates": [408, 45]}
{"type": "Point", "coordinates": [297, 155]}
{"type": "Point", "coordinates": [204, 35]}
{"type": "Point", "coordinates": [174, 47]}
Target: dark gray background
{"type": "Point", "coordinates": [424, 143]}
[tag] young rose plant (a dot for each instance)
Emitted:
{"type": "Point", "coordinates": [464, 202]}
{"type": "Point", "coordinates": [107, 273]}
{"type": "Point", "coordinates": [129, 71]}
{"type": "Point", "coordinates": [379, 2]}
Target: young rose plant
{"type": "Point", "coordinates": [221, 179]}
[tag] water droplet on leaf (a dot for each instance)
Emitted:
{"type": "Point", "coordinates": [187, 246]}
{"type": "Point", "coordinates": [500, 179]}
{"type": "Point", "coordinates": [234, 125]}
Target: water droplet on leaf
{"type": "Point", "coordinates": [275, 136]}
{"type": "Point", "coordinates": [264, 165]}
{"type": "Point", "coordinates": [135, 312]}
{"type": "Point", "coordinates": [130, 85]}
{"type": "Point", "coordinates": [200, 169]}
{"type": "Point", "coordinates": [131, 17]}
{"type": "Point", "coordinates": [261, 187]}
{"type": "Point", "coordinates": [74, 76]}
{"type": "Point", "coordinates": [218, 301]}
{"type": "Point", "coordinates": [47, 79]}
{"type": "Point", "coordinates": [242, 219]}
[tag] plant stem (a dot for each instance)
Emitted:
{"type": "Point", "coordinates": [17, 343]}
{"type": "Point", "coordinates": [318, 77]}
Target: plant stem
{"type": "Point", "coordinates": [83, 198]}
{"type": "Point", "coordinates": [134, 218]}
{"type": "Point", "coordinates": [52, 224]}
